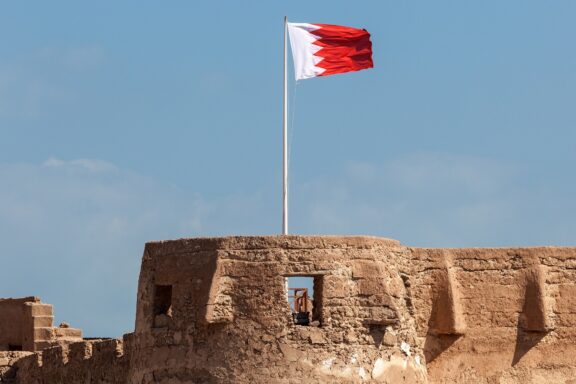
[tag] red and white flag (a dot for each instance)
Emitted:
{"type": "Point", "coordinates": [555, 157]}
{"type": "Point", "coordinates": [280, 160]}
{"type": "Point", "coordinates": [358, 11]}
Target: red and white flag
{"type": "Point", "coordinates": [323, 49]}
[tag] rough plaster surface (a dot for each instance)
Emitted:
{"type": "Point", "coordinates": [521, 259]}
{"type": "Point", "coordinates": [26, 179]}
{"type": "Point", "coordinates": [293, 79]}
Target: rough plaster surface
{"type": "Point", "coordinates": [26, 324]}
{"type": "Point", "coordinates": [215, 310]}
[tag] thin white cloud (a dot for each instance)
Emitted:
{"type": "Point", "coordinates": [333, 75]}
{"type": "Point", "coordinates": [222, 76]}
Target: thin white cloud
{"type": "Point", "coordinates": [83, 223]}
{"type": "Point", "coordinates": [431, 199]}
{"type": "Point", "coordinates": [90, 165]}
{"type": "Point", "coordinates": [435, 171]}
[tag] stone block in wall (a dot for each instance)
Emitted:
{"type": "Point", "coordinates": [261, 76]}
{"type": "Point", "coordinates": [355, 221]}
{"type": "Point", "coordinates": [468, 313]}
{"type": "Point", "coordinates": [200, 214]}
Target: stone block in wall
{"type": "Point", "coordinates": [68, 333]}
{"type": "Point", "coordinates": [44, 333]}
{"type": "Point", "coordinates": [365, 269]}
{"type": "Point", "coordinates": [42, 344]}
{"type": "Point", "coordinates": [492, 287]}
{"type": "Point", "coordinates": [566, 299]}
{"type": "Point", "coordinates": [566, 320]}
{"type": "Point", "coordinates": [336, 286]}
{"type": "Point", "coordinates": [42, 321]}
{"type": "Point", "coordinates": [80, 351]}
{"type": "Point", "coordinates": [37, 309]}
{"type": "Point", "coordinates": [378, 316]}
{"type": "Point", "coordinates": [107, 349]}
{"type": "Point", "coordinates": [378, 300]}
{"type": "Point", "coordinates": [55, 356]}
{"type": "Point", "coordinates": [374, 286]}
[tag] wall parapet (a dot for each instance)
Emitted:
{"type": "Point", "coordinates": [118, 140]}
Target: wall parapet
{"type": "Point", "coordinates": [77, 362]}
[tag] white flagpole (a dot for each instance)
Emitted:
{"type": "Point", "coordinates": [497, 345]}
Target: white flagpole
{"type": "Point", "coordinates": [285, 136]}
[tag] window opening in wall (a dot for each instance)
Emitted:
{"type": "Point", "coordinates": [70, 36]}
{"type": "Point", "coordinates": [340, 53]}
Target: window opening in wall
{"type": "Point", "coordinates": [162, 305]}
{"type": "Point", "coordinates": [14, 347]}
{"type": "Point", "coordinates": [304, 297]}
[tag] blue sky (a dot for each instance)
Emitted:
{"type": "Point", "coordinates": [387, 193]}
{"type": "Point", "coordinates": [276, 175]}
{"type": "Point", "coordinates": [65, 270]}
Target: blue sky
{"type": "Point", "coordinates": [125, 122]}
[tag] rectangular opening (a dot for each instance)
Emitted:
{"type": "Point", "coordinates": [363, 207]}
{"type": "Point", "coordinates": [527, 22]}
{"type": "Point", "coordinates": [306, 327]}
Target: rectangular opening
{"type": "Point", "coordinates": [162, 299]}
{"type": "Point", "coordinates": [162, 305]}
{"type": "Point", "coordinates": [14, 347]}
{"type": "Point", "coordinates": [305, 299]}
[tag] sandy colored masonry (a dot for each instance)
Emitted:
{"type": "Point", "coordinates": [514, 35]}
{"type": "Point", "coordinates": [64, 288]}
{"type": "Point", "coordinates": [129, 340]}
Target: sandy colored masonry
{"type": "Point", "coordinates": [26, 325]}
{"type": "Point", "coordinates": [215, 310]}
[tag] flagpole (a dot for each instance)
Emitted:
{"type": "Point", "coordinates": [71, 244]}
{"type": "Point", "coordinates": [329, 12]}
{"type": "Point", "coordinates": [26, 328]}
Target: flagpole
{"type": "Point", "coordinates": [285, 136]}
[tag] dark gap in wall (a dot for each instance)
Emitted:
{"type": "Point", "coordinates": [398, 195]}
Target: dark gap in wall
{"type": "Point", "coordinates": [162, 299]}
{"type": "Point", "coordinates": [162, 305]}
{"type": "Point", "coordinates": [14, 347]}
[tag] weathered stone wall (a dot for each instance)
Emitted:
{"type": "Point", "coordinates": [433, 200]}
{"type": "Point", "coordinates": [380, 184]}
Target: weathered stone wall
{"type": "Point", "coordinates": [26, 324]}
{"type": "Point", "coordinates": [216, 311]}
{"type": "Point", "coordinates": [16, 331]}
{"type": "Point", "coordinates": [8, 361]}
{"type": "Point", "coordinates": [496, 315]}
{"type": "Point", "coordinates": [94, 361]}
{"type": "Point", "coordinates": [230, 321]}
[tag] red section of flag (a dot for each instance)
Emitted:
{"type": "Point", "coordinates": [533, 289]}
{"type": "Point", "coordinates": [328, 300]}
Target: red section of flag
{"type": "Point", "coordinates": [343, 49]}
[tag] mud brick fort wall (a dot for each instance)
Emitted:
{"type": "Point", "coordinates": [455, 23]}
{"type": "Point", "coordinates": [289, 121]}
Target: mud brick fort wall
{"type": "Point", "coordinates": [26, 324]}
{"type": "Point", "coordinates": [215, 310]}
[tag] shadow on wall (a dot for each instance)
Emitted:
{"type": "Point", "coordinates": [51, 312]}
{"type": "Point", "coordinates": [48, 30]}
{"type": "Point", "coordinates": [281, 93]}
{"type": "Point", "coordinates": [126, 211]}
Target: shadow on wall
{"type": "Point", "coordinates": [525, 341]}
{"type": "Point", "coordinates": [438, 344]}
{"type": "Point", "coordinates": [446, 324]}
{"type": "Point", "coordinates": [533, 323]}
{"type": "Point", "coordinates": [438, 341]}
{"type": "Point", "coordinates": [377, 332]}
